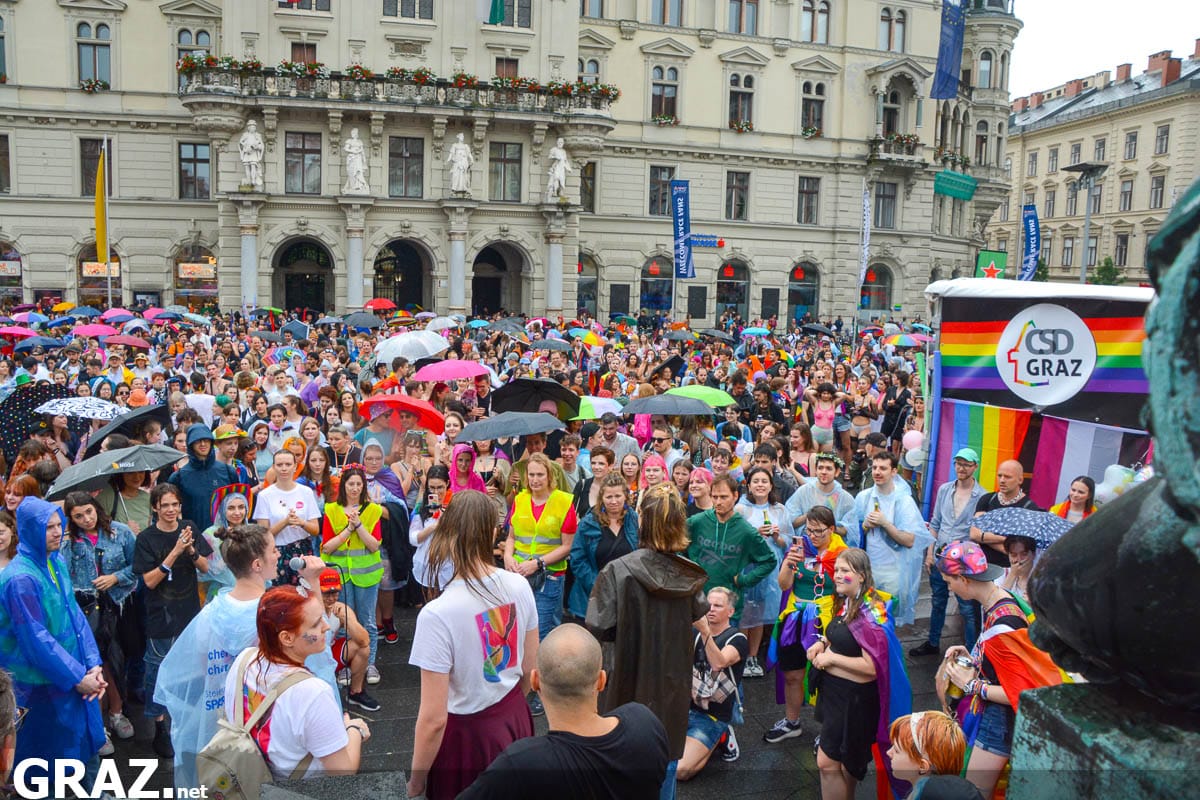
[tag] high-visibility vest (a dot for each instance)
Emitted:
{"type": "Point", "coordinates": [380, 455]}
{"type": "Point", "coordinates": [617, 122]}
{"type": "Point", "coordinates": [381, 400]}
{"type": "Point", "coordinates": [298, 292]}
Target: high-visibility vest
{"type": "Point", "coordinates": [361, 566]}
{"type": "Point", "coordinates": [538, 537]}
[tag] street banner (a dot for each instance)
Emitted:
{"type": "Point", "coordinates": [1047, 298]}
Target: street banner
{"type": "Point", "coordinates": [1033, 242]}
{"type": "Point", "coordinates": [682, 217]}
{"type": "Point", "coordinates": [864, 255]}
{"type": "Point", "coordinates": [950, 49]}
{"type": "Point", "coordinates": [1069, 448]}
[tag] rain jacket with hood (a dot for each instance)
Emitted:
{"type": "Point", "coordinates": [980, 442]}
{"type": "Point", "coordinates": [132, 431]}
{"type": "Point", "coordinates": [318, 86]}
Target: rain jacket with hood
{"type": "Point", "coordinates": [642, 608]}
{"type": "Point", "coordinates": [47, 646]}
{"type": "Point", "coordinates": [199, 478]}
{"type": "Point", "coordinates": [474, 481]}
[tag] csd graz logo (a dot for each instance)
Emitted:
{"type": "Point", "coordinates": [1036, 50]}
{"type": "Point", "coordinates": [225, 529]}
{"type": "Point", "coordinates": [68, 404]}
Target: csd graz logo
{"type": "Point", "coordinates": [1046, 354]}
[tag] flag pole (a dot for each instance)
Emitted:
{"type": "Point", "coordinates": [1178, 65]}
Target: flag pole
{"type": "Point", "coordinates": [107, 250]}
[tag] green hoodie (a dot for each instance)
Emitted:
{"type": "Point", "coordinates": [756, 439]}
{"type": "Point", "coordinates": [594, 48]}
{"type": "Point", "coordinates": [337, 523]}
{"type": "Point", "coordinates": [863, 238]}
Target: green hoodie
{"type": "Point", "coordinates": [724, 549]}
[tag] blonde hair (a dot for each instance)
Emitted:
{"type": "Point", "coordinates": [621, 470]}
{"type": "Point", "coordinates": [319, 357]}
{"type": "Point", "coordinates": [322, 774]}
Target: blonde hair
{"type": "Point", "coordinates": [663, 519]}
{"type": "Point", "coordinates": [611, 481]}
{"type": "Point", "coordinates": [544, 460]}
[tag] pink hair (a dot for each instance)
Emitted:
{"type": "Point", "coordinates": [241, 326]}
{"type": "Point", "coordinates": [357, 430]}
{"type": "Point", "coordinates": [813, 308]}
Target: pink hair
{"type": "Point", "coordinates": [651, 460]}
{"type": "Point", "coordinates": [703, 474]}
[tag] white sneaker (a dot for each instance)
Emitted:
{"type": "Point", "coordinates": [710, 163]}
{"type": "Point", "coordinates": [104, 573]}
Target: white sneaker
{"type": "Point", "coordinates": [120, 725]}
{"type": "Point", "coordinates": [753, 668]}
{"type": "Point", "coordinates": [343, 677]}
{"type": "Point", "coordinates": [372, 675]}
{"type": "Point", "coordinates": [107, 749]}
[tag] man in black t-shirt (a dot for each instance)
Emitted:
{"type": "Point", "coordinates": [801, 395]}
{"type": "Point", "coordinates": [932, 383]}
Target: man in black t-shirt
{"type": "Point", "coordinates": [720, 658]}
{"type": "Point", "coordinates": [1009, 477]}
{"type": "Point", "coordinates": [623, 754]}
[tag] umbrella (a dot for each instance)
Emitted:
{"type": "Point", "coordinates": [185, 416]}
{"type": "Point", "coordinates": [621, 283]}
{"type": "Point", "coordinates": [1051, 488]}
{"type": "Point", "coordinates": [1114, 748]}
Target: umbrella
{"type": "Point", "coordinates": [177, 308]}
{"type": "Point", "coordinates": [1042, 527]}
{"type": "Point", "coordinates": [890, 327]}
{"type": "Point", "coordinates": [265, 311]}
{"type": "Point", "coordinates": [83, 407]}
{"type": "Point", "coordinates": [449, 370]}
{"type": "Point", "coordinates": [361, 319]}
{"type": "Point", "coordinates": [413, 345]}
{"type": "Point", "coordinates": [508, 324]}
{"type": "Point", "coordinates": [552, 344]}
{"type": "Point", "coordinates": [85, 311]}
{"type": "Point", "coordinates": [508, 424]}
{"type": "Point", "coordinates": [379, 304]}
{"type": "Point", "coordinates": [127, 341]}
{"type": "Point", "coordinates": [428, 417]}
{"type": "Point", "coordinates": [425, 315]}
{"type": "Point", "coordinates": [16, 332]}
{"type": "Point", "coordinates": [168, 316]}
{"type": "Point", "coordinates": [813, 327]}
{"type": "Point", "coordinates": [679, 336]}
{"type": "Point", "coordinates": [475, 324]}
{"type": "Point", "coordinates": [542, 321]}
{"type": "Point", "coordinates": [37, 341]}
{"type": "Point", "coordinates": [281, 354]}
{"type": "Point", "coordinates": [708, 394]}
{"type": "Point", "coordinates": [135, 325]}
{"type": "Point", "coordinates": [874, 330]}
{"type": "Point", "coordinates": [296, 328]}
{"type": "Point", "coordinates": [23, 307]}
{"type": "Point", "coordinates": [198, 319]}
{"type": "Point", "coordinates": [917, 326]}
{"type": "Point", "coordinates": [669, 405]}
{"type": "Point", "coordinates": [755, 332]}
{"type": "Point", "coordinates": [592, 339]}
{"type": "Point", "coordinates": [61, 307]}
{"type": "Point", "coordinates": [54, 323]}
{"type": "Point", "coordinates": [527, 394]}
{"type": "Point", "coordinates": [17, 415]}
{"type": "Point", "coordinates": [329, 321]}
{"type": "Point", "coordinates": [674, 365]}
{"type": "Point", "coordinates": [906, 339]}
{"type": "Point", "coordinates": [719, 335]}
{"type": "Point", "coordinates": [30, 317]}
{"type": "Point", "coordinates": [268, 336]}
{"type": "Point", "coordinates": [441, 324]}
{"type": "Point", "coordinates": [596, 407]}
{"type": "Point", "coordinates": [623, 318]}
{"type": "Point", "coordinates": [94, 473]}
{"type": "Point", "coordinates": [127, 422]}
{"type": "Point", "coordinates": [152, 312]}
{"type": "Point", "coordinates": [117, 312]}
{"type": "Point", "coordinates": [119, 318]}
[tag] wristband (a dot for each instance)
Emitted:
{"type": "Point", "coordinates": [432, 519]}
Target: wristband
{"type": "Point", "coordinates": [165, 569]}
{"type": "Point", "coordinates": [358, 730]}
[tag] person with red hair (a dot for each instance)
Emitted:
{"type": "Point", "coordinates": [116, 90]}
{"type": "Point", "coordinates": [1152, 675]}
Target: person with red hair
{"type": "Point", "coordinates": [927, 746]}
{"type": "Point", "coordinates": [300, 737]}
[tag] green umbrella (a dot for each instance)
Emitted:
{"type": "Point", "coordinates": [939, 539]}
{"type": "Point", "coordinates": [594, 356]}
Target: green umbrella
{"type": "Point", "coordinates": [596, 407]}
{"type": "Point", "coordinates": [714, 397]}
{"type": "Point", "coordinates": [95, 472]}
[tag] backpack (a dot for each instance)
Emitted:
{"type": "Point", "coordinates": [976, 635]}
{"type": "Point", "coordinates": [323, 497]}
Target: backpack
{"type": "Point", "coordinates": [232, 762]}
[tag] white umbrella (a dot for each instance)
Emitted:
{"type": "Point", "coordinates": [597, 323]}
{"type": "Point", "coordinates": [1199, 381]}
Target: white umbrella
{"type": "Point", "coordinates": [85, 407]}
{"type": "Point", "coordinates": [441, 323]}
{"type": "Point", "coordinates": [412, 345]}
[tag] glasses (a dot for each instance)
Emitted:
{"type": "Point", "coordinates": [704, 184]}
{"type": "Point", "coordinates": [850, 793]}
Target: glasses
{"type": "Point", "coordinates": [816, 531]}
{"type": "Point", "coordinates": [661, 439]}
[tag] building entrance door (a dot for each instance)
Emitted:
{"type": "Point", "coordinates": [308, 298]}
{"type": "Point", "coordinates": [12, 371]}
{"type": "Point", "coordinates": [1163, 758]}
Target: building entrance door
{"type": "Point", "coordinates": [305, 290]}
{"type": "Point", "coordinates": [486, 292]}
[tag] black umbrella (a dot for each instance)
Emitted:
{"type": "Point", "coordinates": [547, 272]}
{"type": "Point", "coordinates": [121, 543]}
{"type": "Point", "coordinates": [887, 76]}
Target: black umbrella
{"type": "Point", "coordinates": [508, 324]}
{"type": "Point", "coordinates": [508, 424]}
{"type": "Point", "coordinates": [813, 327]}
{"type": "Point", "coordinates": [527, 394]}
{"type": "Point", "coordinates": [552, 344]}
{"type": "Point", "coordinates": [675, 364]}
{"type": "Point", "coordinates": [719, 335]}
{"type": "Point", "coordinates": [680, 336]}
{"type": "Point", "coordinates": [17, 416]}
{"type": "Point", "coordinates": [93, 473]}
{"type": "Point", "coordinates": [268, 336]}
{"type": "Point", "coordinates": [361, 319]}
{"type": "Point", "coordinates": [126, 423]}
{"type": "Point", "coordinates": [669, 405]}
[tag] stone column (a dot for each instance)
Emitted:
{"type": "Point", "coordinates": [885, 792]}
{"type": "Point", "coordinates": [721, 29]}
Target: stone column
{"type": "Point", "coordinates": [556, 232]}
{"type": "Point", "coordinates": [355, 209]}
{"type": "Point", "coordinates": [458, 210]}
{"type": "Point", "coordinates": [248, 205]}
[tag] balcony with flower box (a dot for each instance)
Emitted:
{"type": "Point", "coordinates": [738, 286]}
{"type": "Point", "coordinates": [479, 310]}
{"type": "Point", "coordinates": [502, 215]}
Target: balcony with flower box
{"type": "Point", "coordinates": [901, 150]}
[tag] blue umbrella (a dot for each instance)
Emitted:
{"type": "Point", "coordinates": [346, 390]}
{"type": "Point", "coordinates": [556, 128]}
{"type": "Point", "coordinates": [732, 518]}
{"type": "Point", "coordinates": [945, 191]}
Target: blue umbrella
{"type": "Point", "coordinates": [54, 323]}
{"type": "Point", "coordinates": [1042, 527]}
{"type": "Point", "coordinates": [169, 316]}
{"type": "Point", "coordinates": [916, 326]}
{"type": "Point", "coordinates": [86, 311]}
{"type": "Point", "coordinates": [329, 321]}
{"type": "Point", "coordinates": [135, 324]}
{"type": "Point", "coordinates": [196, 318]}
{"type": "Point", "coordinates": [119, 318]}
{"type": "Point", "coordinates": [478, 323]}
{"type": "Point", "coordinates": [755, 332]}
{"type": "Point", "coordinates": [36, 341]}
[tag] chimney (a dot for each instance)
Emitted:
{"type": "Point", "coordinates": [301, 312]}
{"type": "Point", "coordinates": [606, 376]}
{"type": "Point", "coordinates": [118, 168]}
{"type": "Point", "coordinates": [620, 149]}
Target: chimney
{"type": "Point", "coordinates": [1158, 61]}
{"type": "Point", "coordinates": [1036, 99]}
{"type": "Point", "coordinates": [1074, 87]}
{"type": "Point", "coordinates": [1171, 70]}
{"type": "Point", "coordinates": [1123, 70]}
{"type": "Point", "coordinates": [1020, 104]}
{"type": "Point", "coordinates": [1196, 52]}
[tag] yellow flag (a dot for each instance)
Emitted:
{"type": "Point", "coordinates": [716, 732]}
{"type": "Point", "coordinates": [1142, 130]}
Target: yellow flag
{"type": "Point", "coordinates": [101, 213]}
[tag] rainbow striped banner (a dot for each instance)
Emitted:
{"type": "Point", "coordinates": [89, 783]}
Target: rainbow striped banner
{"type": "Point", "coordinates": [996, 433]}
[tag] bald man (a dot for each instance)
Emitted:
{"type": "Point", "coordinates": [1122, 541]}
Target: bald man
{"type": "Point", "coordinates": [1009, 477]}
{"type": "Point", "coordinates": [623, 754]}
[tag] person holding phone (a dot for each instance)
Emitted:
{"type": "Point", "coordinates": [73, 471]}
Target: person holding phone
{"type": "Point", "coordinates": [435, 496]}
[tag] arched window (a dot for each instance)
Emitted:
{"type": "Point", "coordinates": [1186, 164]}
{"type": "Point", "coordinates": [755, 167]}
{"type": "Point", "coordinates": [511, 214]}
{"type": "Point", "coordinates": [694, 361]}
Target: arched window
{"type": "Point", "coordinates": [808, 18]}
{"type": "Point", "coordinates": [1000, 147]}
{"type": "Point", "coordinates": [812, 106]}
{"type": "Point", "coordinates": [877, 289]}
{"type": "Point", "coordinates": [898, 31]}
{"type": "Point", "coordinates": [814, 22]}
{"type": "Point", "coordinates": [985, 70]}
{"type": "Point", "coordinates": [656, 285]}
{"type": "Point", "coordinates": [10, 272]}
{"type": "Point", "coordinates": [885, 29]}
{"type": "Point", "coordinates": [589, 71]}
{"type": "Point", "coordinates": [733, 289]}
{"type": "Point", "coordinates": [587, 289]}
{"type": "Point", "coordinates": [664, 88]}
{"type": "Point", "coordinates": [195, 277]}
{"type": "Point", "coordinates": [93, 48]}
{"type": "Point", "coordinates": [1008, 168]}
{"type": "Point", "coordinates": [981, 143]}
{"type": "Point", "coordinates": [400, 274]}
{"type": "Point", "coordinates": [804, 293]}
{"type": "Point", "coordinates": [891, 113]}
{"type": "Point", "coordinates": [187, 42]}
{"type": "Point", "coordinates": [1003, 84]}
{"type": "Point", "coordinates": [741, 98]}
{"type": "Point", "coordinates": [822, 22]}
{"type": "Point", "coordinates": [93, 279]}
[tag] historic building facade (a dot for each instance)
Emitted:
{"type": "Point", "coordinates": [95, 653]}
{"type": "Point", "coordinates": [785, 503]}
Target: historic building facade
{"type": "Point", "coordinates": [341, 175]}
{"type": "Point", "coordinates": [1143, 126]}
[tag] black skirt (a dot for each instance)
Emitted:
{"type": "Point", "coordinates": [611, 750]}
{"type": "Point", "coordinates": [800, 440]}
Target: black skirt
{"type": "Point", "coordinates": [849, 717]}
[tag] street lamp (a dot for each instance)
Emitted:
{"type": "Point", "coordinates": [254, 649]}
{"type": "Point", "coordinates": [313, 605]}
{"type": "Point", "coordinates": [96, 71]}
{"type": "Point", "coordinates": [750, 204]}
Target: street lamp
{"type": "Point", "coordinates": [1088, 171]}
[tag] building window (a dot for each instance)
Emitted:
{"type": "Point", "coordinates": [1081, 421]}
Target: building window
{"type": "Point", "coordinates": [1076, 153]}
{"type": "Point", "coordinates": [1002, 245]}
{"type": "Point", "coordinates": [591, 8]}
{"type": "Point", "coordinates": [1031, 166]}
{"type": "Point", "coordinates": [93, 47]}
{"type": "Point", "coordinates": [885, 205]}
{"type": "Point", "coordinates": [304, 52]}
{"type": "Point", "coordinates": [660, 190]}
{"type": "Point", "coordinates": [733, 289]}
{"type": "Point", "coordinates": [5, 166]}
{"type": "Point", "coordinates": [812, 105]}
{"type": "Point", "coordinates": [510, 67]}
{"type": "Point", "coordinates": [10, 272]}
{"type": "Point", "coordinates": [666, 12]}
{"type": "Point", "coordinates": [743, 16]}
{"type": "Point", "coordinates": [504, 163]}
{"type": "Point", "coordinates": [1162, 139]}
{"type": "Point", "coordinates": [195, 171]}
{"type": "Point", "coordinates": [1158, 184]}
{"type": "Point", "coordinates": [1029, 198]}
{"type": "Point", "coordinates": [664, 87]}
{"type": "Point", "coordinates": [517, 13]}
{"type": "Point", "coordinates": [89, 162]}
{"type": "Point", "coordinates": [191, 43]}
{"type": "Point", "coordinates": [1100, 150]}
{"type": "Point", "coordinates": [302, 163]}
{"type": "Point", "coordinates": [305, 5]}
{"type": "Point", "coordinates": [195, 277]}
{"type": "Point", "coordinates": [93, 277]}
{"type": "Point", "coordinates": [1121, 252]}
{"type": "Point", "coordinates": [877, 289]}
{"type": "Point", "coordinates": [1127, 195]}
{"type": "Point", "coordinates": [1072, 200]}
{"type": "Point", "coordinates": [814, 22]}
{"type": "Point", "coordinates": [1092, 244]}
{"type": "Point", "coordinates": [1051, 197]}
{"type": "Point", "coordinates": [3, 53]}
{"type": "Point", "coordinates": [408, 9]}
{"type": "Point", "coordinates": [891, 113]}
{"type": "Point", "coordinates": [741, 98]}
{"type": "Point", "coordinates": [589, 71]}
{"type": "Point", "coordinates": [587, 187]}
{"type": "Point", "coordinates": [1052, 160]}
{"type": "Point", "coordinates": [587, 285]}
{"type": "Point", "coordinates": [1068, 256]}
{"type": "Point", "coordinates": [737, 195]}
{"type": "Point", "coordinates": [1096, 195]}
{"type": "Point", "coordinates": [891, 30]}
{"type": "Point", "coordinates": [1131, 145]}
{"type": "Point", "coordinates": [1008, 168]}
{"type": "Point", "coordinates": [1047, 248]}
{"type": "Point", "coordinates": [406, 166]}
{"type": "Point", "coordinates": [808, 203]}
{"type": "Point", "coordinates": [1004, 212]}
{"type": "Point", "coordinates": [981, 143]}
{"type": "Point", "coordinates": [657, 284]}
{"type": "Point", "coordinates": [804, 293]}
{"type": "Point", "coordinates": [985, 70]}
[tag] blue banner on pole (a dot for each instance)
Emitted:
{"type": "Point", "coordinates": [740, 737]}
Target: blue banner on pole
{"type": "Point", "coordinates": [1033, 242]}
{"type": "Point", "coordinates": [949, 62]}
{"type": "Point", "coordinates": [682, 215]}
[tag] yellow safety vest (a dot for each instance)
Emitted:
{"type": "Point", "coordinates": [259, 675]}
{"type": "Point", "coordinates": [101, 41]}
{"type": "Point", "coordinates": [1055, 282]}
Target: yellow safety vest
{"type": "Point", "coordinates": [538, 537]}
{"type": "Point", "coordinates": [359, 564]}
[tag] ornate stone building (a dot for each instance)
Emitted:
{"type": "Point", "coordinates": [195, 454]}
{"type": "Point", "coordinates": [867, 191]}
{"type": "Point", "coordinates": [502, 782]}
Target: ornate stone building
{"type": "Point", "coordinates": [780, 114]}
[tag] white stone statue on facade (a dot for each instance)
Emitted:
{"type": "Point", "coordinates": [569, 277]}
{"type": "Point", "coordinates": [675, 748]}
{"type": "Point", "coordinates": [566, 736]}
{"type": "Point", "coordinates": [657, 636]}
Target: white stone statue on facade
{"type": "Point", "coordinates": [556, 185]}
{"type": "Point", "coordinates": [460, 160]}
{"type": "Point", "coordinates": [251, 149]}
{"type": "Point", "coordinates": [356, 165]}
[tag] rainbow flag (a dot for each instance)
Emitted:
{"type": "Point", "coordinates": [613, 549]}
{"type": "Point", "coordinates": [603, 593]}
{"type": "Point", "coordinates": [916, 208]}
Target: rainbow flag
{"type": "Point", "coordinates": [996, 433]}
{"type": "Point", "coordinates": [969, 355]}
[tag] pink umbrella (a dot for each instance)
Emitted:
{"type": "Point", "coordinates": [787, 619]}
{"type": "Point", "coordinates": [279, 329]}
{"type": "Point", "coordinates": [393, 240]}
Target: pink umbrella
{"type": "Point", "coordinates": [117, 312]}
{"type": "Point", "coordinates": [13, 330]}
{"type": "Point", "coordinates": [94, 329]}
{"type": "Point", "coordinates": [152, 312]}
{"type": "Point", "coordinates": [449, 370]}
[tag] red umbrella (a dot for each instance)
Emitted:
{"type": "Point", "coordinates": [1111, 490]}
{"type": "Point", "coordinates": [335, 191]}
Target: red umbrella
{"type": "Point", "coordinates": [379, 304]}
{"type": "Point", "coordinates": [127, 341]}
{"type": "Point", "coordinates": [15, 330]}
{"type": "Point", "coordinates": [94, 329]}
{"type": "Point", "coordinates": [428, 417]}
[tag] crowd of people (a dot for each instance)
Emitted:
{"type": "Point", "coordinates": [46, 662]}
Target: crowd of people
{"type": "Point", "coordinates": [630, 576]}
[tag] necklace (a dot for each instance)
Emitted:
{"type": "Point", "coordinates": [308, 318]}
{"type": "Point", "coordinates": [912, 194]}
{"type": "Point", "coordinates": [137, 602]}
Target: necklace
{"type": "Point", "coordinates": [1017, 499]}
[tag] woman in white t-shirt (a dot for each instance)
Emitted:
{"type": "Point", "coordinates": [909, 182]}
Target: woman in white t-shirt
{"type": "Point", "coordinates": [305, 719]}
{"type": "Point", "coordinates": [475, 645]}
{"type": "Point", "coordinates": [291, 513]}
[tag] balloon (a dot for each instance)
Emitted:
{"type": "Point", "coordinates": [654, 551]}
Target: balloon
{"type": "Point", "coordinates": [914, 457]}
{"type": "Point", "coordinates": [913, 440]}
{"type": "Point", "coordinates": [1144, 474]}
{"type": "Point", "coordinates": [1117, 480]}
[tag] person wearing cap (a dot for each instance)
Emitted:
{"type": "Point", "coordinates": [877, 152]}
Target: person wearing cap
{"type": "Point", "coordinates": [348, 641]}
{"type": "Point", "coordinates": [950, 522]}
{"type": "Point", "coordinates": [227, 438]}
{"type": "Point", "coordinates": [1004, 663]}
{"type": "Point", "coordinates": [141, 366]}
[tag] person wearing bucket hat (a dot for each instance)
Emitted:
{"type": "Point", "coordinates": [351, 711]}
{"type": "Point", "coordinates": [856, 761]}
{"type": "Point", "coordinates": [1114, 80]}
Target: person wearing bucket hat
{"type": "Point", "coordinates": [1003, 663]}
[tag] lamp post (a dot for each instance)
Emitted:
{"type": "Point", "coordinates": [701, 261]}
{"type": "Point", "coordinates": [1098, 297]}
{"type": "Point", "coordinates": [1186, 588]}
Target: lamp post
{"type": "Point", "coordinates": [1088, 172]}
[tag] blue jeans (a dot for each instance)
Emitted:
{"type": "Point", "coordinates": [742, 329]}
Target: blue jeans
{"type": "Point", "coordinates": [968, 609]}
{"type": "Point", "coordinates": [549, 600]}
{"type": "Point", "coordinates": [667, 792]}
{"type": "Point", "coordinates": [361, 600]}
{"type": "Point", "coordinates": [156, 651]}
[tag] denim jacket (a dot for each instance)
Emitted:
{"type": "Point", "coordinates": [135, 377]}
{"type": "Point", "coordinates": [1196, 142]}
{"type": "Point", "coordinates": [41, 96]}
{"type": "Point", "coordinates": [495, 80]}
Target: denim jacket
{"type": "Point", "coordinates": [116, 559]}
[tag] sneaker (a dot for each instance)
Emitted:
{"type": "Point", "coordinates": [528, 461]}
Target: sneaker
{"type": "Point", "coordinates": [730, 751]}
{"type": "Point", "coordinates": [363, 701]}
{"type": "Point", "coordinates": [107, 749]}
{"type": "Point", "coordinates": [925, 649]}
{"type": "Point", "coordinates": [372, 675]}
{"type": "Point", "coordinates": [753, 668]}
{"type": "Point", "coordinates": [535, 705]}
{"type": "Point", "coordinates": [162, 739]}
{"type": "Point", "coordinates": [388, 633]}
{"type": "Point", "coordinates": [343, 677]}
{"type": "Point", "coordinates": [120, 725]}
{"type": "Point", "coordinates": [784, 729]}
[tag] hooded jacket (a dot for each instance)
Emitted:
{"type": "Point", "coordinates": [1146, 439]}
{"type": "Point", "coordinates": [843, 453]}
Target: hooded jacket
{"type": "Point", "coordinates": [642, 608]}
{"type": "Point", "coordinates": [474, 481]}
{"type": "Point", "coordinates": [200, 477]}
{"type": "Point", "coordinates": [46, 644]}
